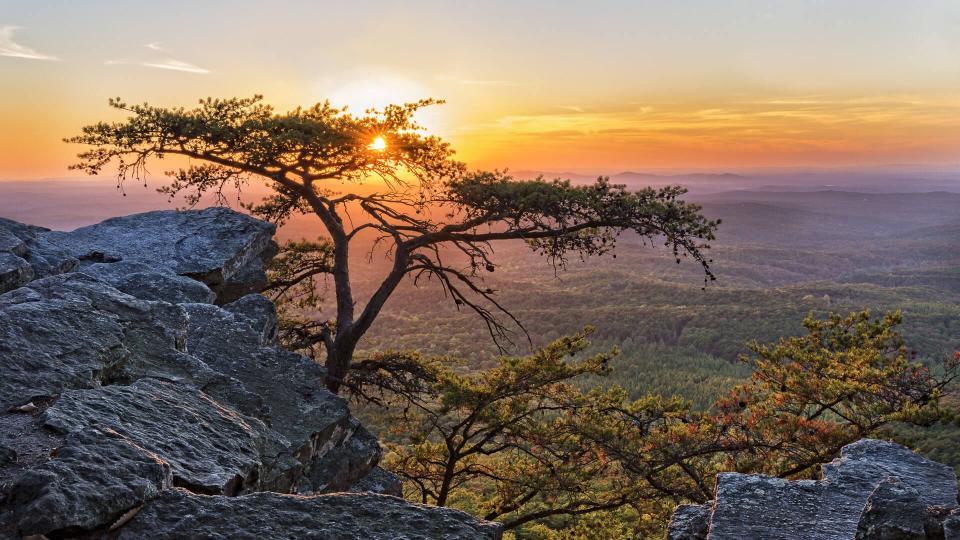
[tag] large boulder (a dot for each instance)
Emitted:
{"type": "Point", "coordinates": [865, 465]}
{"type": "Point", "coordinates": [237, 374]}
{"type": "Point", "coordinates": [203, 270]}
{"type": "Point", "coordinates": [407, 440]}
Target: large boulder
{"type": "Point", "coordinates": [224, 249]}
{"type": "Point", "coordinates": [14, 270]}
{"type": "Point", "coordinates": [875, 489]}
{"type": "Point", "coordinates": [178, 514]}
{"type": "Point", "coordinates": [124, 388]}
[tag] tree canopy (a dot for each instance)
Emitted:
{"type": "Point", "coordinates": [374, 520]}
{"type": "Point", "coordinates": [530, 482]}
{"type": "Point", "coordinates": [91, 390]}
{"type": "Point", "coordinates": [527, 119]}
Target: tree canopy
{"type": "Point", "coordinates": [524, 442]}
{"type": "Point", "coordinates": [431, 213]}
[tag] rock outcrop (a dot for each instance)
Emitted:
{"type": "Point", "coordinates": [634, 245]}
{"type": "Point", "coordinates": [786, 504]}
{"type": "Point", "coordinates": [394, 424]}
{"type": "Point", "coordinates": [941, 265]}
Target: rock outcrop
{"type": "Point", "coordinates": [26, 254]}
{"type": "Point", "coordinates": [224, 249]}
{"type": "Point", "coordinates": [875, 490]}
{"type": "Point", "coordinates": [143, 394]}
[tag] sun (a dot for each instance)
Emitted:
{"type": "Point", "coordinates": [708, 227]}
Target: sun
{"type": "Point", "coordinates": [375, 88]}
{"type": "Point", "coordinates": [378, 144]}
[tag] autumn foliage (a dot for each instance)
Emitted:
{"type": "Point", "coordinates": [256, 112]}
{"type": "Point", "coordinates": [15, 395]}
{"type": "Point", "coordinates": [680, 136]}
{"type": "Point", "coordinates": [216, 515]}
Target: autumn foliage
{"type": "Point", "coordinates": [523, 443]}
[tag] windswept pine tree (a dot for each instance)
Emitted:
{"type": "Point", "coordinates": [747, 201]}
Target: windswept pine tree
{"type": "Point", "coordinates": [430, 211]}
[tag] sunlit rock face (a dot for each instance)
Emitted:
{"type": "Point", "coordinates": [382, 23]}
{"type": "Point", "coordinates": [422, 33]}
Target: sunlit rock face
{"type": "Point", "coordinates": [140, 378]}
{"type": "Point", "coordinates": [875, 490]}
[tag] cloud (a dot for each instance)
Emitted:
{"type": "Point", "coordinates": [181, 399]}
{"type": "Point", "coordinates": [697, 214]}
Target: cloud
{"type": "Point", "coordinates": [176, 65]}
{"type": "Point", "coordinates": [170, 64]}
{"type": "Point", "coordinates": [775, 130]}
{"type": "Point", "coordinates": [8, 47]}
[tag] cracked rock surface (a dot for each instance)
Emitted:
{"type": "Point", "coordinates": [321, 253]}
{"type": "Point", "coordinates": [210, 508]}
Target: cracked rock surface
{"type": "Point", "coordinates": [27, 254]}
{"type": "Point", "coordinates": [176, 514]}
{"type": "Point", "coordinates": [140, 379]}
{"type": "Point", "coordinates": [875, 490]}
{"type": "Point", "coordinates": [225, 250]}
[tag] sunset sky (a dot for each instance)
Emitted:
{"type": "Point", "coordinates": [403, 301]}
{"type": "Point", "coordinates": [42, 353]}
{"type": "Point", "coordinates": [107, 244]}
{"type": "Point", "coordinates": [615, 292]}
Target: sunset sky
{"type": "Point", "coordinates": [598, 86]}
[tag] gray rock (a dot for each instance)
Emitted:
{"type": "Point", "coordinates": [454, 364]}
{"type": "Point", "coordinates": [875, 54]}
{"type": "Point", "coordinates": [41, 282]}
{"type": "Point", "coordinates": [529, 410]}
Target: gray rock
{"type": "Point", "coordinates": [951, 526]}
{"type": "Point", "coordinates": [310, 422]}
{"type": "Point", "coordinates": [10, 241]}
{"type": "Point", "coordinates": [177, 514]}
{"type": "Point", "coordinates": [894, 511]}
{"type": "Point", "coordinates": [210, 448]}
{"type": "Point", "coordinates": [143, 281]}
{"type": "Point", "coordinates": [48, 259]}
{"type": "Point", "coordinates": [260, 313]}
{"type": "Point", "coordinates": [94, 478]}
{"type": "Point", "coordinates": [137, 383]}
{"type": "Point", "coordinates": [74, 331]}
{"type": "Point", "coordinates": [7, 455]}
{"type": "Point", "coordinates": [755, 506]}
{"type": "Point", "coordinates": [345, 464]}
{"type": "Point", "coordinates": [868, 462]}
{"type": "Point", "coordinates": [25, 443]}
{"type": "Point", "coordinates": [61, 332]}
{"type": "Point", "coordinates": [690, 522]}
{"type": "Point", "coordinates": [14, 271]}
{"type": "Point", "coordinates": [25, 254]}
{"type": "Point", "coordinates": [220, 247]}
{"type": "Point", "coordinates": [379, 481]}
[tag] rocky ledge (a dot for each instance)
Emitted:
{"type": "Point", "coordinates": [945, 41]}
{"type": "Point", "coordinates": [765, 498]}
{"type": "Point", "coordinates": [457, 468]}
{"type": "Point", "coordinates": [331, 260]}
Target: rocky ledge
{"type": "Point", "coordinates": [875, 490]}
{"type": "Point", "coordinates": [143, 394]}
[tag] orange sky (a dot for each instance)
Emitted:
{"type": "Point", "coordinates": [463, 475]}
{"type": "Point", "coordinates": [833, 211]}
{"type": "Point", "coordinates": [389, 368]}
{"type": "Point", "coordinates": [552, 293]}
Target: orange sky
{"type": "Point", "coordinates": [587, 87]}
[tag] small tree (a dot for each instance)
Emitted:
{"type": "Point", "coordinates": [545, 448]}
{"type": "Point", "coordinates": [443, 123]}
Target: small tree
{"type": "Point", "coordinates": [523, 444]}
{"type": "Point", "coordinates": [431, 206]}
{"type": "Point", "coordinates": [809, 396]}
{"type": "Point", "coordinates": [501, 435]}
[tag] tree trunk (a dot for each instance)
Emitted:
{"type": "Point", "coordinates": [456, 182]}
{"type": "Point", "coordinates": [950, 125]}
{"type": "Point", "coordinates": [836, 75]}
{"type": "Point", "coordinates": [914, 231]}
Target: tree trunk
{"type": "Point", "coordinates": [349, 331]}
{"type": "Point", "coordinates": [338, 361]}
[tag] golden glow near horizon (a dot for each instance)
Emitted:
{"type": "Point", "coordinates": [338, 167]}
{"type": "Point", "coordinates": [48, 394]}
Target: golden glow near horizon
{"type": "Point", "coordinates": [731, 86]}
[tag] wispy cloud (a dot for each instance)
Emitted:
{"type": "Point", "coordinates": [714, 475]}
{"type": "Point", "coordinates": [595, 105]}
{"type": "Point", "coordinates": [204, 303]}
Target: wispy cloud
{"type": "Point", "coordinates": [792, 129]}
{"type": "Point", "coordinates": [170, 64]}
{"type": "Point", "coordinates": [486, 82]}
{"type": "Point", "coordinates": [12, 49]}
{"type": "Point", "coordinates": [176, 65]}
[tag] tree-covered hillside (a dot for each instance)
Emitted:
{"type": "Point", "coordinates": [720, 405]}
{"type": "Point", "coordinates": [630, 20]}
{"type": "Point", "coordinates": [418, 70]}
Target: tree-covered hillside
{"type": "Point", "coordinates": [773, 269]}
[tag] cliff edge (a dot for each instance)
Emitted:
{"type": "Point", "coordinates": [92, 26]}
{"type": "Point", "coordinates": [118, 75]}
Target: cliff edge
{"type": "Point", "coordinates": [143, 394]}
